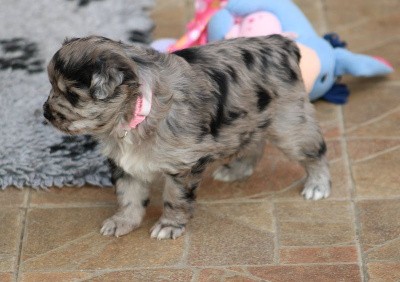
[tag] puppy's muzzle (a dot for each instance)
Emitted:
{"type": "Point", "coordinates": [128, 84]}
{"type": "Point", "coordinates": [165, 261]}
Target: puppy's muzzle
{"type": "Point", "coordinates": [47, 112]}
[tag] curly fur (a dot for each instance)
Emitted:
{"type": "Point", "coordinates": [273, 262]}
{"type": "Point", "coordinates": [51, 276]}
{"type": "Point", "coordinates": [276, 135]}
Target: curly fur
{"type": "Point", "coordinates": [222, 100]}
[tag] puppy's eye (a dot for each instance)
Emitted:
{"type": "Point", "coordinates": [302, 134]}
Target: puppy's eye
{"type": "Point", "coordinates": [323, 78]}
{"type": "Point", "coordinates": [71, 97]}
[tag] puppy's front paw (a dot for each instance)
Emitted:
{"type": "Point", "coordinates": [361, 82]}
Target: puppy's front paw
{"type": "Point", "coordinates": [316, 191]}
{"type": "Point", "coordinates": [117, 226]}
{"type": "Point", "coordinates": [166, 231]}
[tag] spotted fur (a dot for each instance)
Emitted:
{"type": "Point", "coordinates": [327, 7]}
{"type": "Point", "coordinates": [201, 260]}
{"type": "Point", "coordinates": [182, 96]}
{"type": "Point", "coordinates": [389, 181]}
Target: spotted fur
{"type": "Point", "coordinates": [222, 100]}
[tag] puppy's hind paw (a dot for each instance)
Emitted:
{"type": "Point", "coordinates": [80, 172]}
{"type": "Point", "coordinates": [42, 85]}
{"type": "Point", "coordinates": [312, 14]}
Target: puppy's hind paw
{"type": "Point", "coordinates": [166, 231]}
{"type": "Point", "coordinates": [316, 191]}
{"type": "Point", "coordinates": [116, 226]}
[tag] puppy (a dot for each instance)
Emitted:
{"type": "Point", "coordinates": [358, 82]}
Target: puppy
{"type": "Point", "coordinates": [176, 113]}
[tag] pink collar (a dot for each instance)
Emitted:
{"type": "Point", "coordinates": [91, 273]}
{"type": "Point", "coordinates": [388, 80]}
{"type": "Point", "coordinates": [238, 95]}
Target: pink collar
{"type": "Point", "coordinates": [143, 106]}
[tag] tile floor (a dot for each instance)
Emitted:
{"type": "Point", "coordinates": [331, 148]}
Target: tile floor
{"type": "Point", "coordinates": [257, 230]}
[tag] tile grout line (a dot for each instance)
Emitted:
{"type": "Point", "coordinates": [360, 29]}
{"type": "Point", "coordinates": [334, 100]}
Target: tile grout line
{"type": "Point", "coordinates": [185, 254]}
{"type": "Point", "coordinates": [25, 208]}
{"type": "Point", "coordinates": [195, 267]}
{"type": "Point", "coordinates": [65, 245]}
{"type": "Point", "coordinates": [375, 247]}
{"type": "Point", "coordinates": [368, 138]}
{"type": "Point", "coordinates": [72, 206]}
{"type": "Point", "coordinates": [373, 156]}
{"type": "Point", "coordinates": [323, 9]}
{"type": "Point", "coordinates": [373, 198]}
{"type": "Point", "coordinates": [379, 44]}
{"type": "Point", "coordinates": [372, 120]}
{"type": "Point", "coordinates": [196, 274]}
{"type": "Point", "coordinates": [276, 235]}
{"type": "Point", "coordinates": [357, 227]}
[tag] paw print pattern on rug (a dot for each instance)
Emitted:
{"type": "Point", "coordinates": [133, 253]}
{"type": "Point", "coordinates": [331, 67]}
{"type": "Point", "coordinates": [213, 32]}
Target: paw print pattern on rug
{"type": "Point", "coordinates": [20, 54]}
{"type": "Point", "coordinates": [83, 3]}
{"type": "Point", "coordinates": [74, 147]}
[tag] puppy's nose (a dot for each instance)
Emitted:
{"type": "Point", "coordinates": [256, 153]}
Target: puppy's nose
{"type": "Point", "coordinates": [47, 113]}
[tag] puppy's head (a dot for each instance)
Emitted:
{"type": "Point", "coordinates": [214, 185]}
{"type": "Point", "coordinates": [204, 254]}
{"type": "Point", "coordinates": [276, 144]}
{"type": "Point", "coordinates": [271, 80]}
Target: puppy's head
{"type": "Point", "coordinates": [93, 85]}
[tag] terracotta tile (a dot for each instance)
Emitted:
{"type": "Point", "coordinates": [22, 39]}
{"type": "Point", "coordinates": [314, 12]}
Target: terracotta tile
{"type": "Point", "coordinates": [380, 222]}
{"type": "Point", "coordinates": [389, 251]}
{"type": "Point", "coordinates": [239, 278]}
{"type": "Point", "coordinates": [13, 197]}
{"type": "Point", "coordinates": [254, 215]}
{"type": "Point", "coordinates": [217, 275]}
{"type": "Point", "coordinates": [378, 176]}
{"type": "Point", "coordinates": [368, 101]}
{"type": "Point", "coordinates": [273, 173]}
{"type": "Point", "coordinates": [326, 112]}
{"type": "Point", "coordinates": [146, 275]}
{"type": "Point", "coordinates": [189, 10]}
{"type": "Point", "coordinates": [309, 273]}
{"type": "Point", "coordinates": [219, 239]}
{"type": "Point", "coordinates": [331, 131]}
{"type": "Point", "coordinates": [48, 229]}
{"type": "Point", "coordinates": [7, 261]}
{"type": "Point", "coordinates": [341, 182]}
{"type": "Point", "coordinates": [137, 249]}
{"type": "Point", "coordinates": [78, 245]}
{"type": "Point", "coordinates": [55, 276]}
{"type": "Point", "coordinates": [388, 126]}
{"type": "Point", "coordinates": [6, 277]}
{"type": "Point", "coordinates": [334, 150]}
{"type": "Point", "coordinates": [73, 196]}
{"type": "Point", "coordinates": [313, 11]}
{"type": "Point", "coordinates": [211, 275]}
{"type": "Point", "coordinates": [363, 148]}
{"type": "Point", "coordinates": [318, 255]}
{"type": "Point", "coordinates": [368, 32]}
{"type": "Point", "coordinates": [383, 272]}
{"type": "Point", "coordinates": [342, 13]}
{"type": "Point", "coordinates": [389, 51]}
{"type": "Point", "coordinates": [314, 223]}
{"type": "Point", "coordinates": [170, 17]}
{"type": "Point", "coordinates": [10, 232]}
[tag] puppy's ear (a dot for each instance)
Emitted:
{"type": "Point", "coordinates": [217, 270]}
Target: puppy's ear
{"type": "Point", "coordinates": [105, 80]}
{"type": "Point", "coordinates": [69, 40]}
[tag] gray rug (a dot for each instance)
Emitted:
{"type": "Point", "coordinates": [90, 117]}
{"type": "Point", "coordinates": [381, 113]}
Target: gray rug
{"type": "Point", "coordinates": [33, 153]}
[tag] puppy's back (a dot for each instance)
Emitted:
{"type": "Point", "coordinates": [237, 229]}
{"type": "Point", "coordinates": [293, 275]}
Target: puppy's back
{"type": "Point", "coordinates": [256, 53]}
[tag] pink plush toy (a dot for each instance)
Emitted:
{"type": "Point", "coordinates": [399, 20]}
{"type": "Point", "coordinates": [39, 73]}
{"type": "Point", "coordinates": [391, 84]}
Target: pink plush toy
{"type": "Point", "coordinates": [255, 24]}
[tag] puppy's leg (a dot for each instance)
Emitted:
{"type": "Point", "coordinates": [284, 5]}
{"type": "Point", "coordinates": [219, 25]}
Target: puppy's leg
{"type": "Point", "coordinates": [298, 135]}
{"type": "Point", "coordinates": [179, 199]}
{"type": "Point", "coordinates": [242, 166]}
{"type": "Point", "coordinates": [133, 199]}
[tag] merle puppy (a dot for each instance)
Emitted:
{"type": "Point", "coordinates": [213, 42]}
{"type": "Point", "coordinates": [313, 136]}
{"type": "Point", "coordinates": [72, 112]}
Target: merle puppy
{"type": "Point", "coordinates": [176, 113]}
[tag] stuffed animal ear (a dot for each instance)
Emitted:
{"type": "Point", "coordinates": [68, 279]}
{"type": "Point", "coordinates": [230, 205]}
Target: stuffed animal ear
{"type": "Point", "coordinates": [358, 64]}
{"type": "Point", "coordinates": [105, 80]}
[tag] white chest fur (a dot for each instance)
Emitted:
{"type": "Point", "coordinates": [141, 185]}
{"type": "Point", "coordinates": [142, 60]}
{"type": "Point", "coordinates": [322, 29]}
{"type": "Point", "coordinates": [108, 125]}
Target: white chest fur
{"type": "Point", "coordinates": [136, 160]}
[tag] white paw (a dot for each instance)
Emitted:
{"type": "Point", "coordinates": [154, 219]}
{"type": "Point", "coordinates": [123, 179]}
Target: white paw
{"type": "Point", "coordinates": [117, 226]}
{"type": "Point", "coordinates": [229, 174]}
{"type": "Point", "coordinates": [166, 231]}
{"type": "Point", "coordinates": [316, 191]}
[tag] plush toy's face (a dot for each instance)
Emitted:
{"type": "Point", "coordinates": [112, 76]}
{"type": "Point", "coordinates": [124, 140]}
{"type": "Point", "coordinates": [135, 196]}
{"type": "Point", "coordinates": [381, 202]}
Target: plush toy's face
{"type": "Point", "coordinates": [324, 80]}
{"type": "Point", "coordinates": [325, 77]}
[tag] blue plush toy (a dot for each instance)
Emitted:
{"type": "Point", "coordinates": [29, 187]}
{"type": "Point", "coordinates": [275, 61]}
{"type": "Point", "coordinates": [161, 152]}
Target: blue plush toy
{"type": "Point", "coordinates": [334, 59]}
